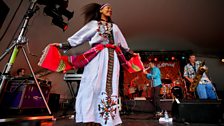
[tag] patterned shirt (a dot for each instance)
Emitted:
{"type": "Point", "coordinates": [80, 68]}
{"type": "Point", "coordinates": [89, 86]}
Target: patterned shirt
{"type": "Point", "coordinates": [190, 72]}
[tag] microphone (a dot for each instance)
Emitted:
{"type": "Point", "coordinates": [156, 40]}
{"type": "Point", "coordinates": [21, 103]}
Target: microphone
{"type": "Point", "coordinates": [147, 68]}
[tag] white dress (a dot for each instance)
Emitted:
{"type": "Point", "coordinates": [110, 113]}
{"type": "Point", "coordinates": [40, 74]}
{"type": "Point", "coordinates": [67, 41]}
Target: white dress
{"type": "Point", "coordinates": [93, 82]}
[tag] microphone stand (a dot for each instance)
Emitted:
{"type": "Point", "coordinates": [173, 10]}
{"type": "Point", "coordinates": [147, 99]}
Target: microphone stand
{"type": "Point", "coordinates": [16, 46]}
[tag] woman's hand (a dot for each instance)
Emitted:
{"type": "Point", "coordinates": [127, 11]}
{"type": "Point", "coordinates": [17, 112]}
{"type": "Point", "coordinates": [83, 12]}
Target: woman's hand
{"type": "Point", "coordinates": [56, 44]}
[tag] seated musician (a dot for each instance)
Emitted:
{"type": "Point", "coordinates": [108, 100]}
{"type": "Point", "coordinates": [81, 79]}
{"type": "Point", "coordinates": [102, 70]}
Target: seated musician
{"type": "Point", "coordinates": [205, 89]}
{"type": "Point", "coordinates": [20, 72]}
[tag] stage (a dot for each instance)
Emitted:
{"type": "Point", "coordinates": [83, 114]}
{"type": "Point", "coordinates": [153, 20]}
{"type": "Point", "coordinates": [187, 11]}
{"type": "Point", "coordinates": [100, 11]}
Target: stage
{"type": "Point", "coordinates": [145, 106]}
{"type": "Point", "coordinates": [134, 119]}
{"type": "Point", "coordinates": [133, 113]}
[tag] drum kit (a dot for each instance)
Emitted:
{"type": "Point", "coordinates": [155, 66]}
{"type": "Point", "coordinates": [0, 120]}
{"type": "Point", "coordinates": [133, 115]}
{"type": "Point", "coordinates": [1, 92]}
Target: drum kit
{"type": "Point", "coordinates": [132, 90]}
{"type": "Point", "coordinates": [171, 89]}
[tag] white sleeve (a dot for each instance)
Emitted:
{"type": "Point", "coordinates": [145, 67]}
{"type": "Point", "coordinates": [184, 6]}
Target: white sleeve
{"type": "Point", "coordinates": [84, 34]}
{"type": "Point", "coordinates": [119, 38]}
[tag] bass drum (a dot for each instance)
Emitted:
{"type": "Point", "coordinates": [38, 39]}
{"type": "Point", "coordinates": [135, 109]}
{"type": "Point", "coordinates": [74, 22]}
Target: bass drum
{"type": "Point", "coordinates": [177, 92]}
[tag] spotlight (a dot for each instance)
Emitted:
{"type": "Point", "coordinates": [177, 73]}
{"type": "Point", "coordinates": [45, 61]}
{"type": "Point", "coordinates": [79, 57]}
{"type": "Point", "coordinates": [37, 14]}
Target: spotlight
{"type": "Point", "coordinates": [183, 57]}
{"type": "Point", "coordinates": [67, 14]}
{"type": "Point", "coordinates": [63, 5]}
{"type": "Point", "coordinates": [55, 9]}
{"type": "Point", "coordinates": [52, 12]}
{"type": "Point", "coordinates": [166, 58]}
{"type": "Point", "coordinates": [57, 18]}
{"type": "Point", "coordinates": [59, 22]}
{"type": "Point", "coordinates": [155, 59]}
{"type": "Point", "coordinates": [172, 58]}
{"type": "Point", "coordinates": [222, 60]}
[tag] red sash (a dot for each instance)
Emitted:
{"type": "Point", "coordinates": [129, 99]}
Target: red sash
{"type": "Point", "coordinates": [54, 61]}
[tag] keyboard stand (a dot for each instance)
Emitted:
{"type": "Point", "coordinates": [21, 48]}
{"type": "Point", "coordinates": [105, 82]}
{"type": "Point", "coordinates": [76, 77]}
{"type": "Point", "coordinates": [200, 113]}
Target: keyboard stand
{"type": "Point", "coordinates": [69, 79]}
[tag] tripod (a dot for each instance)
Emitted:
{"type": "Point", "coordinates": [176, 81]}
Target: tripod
{"type": "Point", "coordinates": [16, 46]}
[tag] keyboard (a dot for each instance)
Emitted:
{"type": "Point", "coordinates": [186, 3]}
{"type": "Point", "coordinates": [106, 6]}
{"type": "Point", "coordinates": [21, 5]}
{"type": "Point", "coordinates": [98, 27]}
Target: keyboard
{"type": "Point", "coordinates": [72, 77]}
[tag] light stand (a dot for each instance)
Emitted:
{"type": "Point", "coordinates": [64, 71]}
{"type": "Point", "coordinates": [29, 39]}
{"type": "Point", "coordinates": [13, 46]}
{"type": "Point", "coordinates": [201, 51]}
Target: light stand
{"type": "Point", "coordinates": [16, 46]}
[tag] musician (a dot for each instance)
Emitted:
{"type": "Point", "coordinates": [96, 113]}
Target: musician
{"type": "Point", "coordinates": [138, 90]}
{"type": "Point", "coordinates": [155, 76]}
{"type": "Point", "coordinates": [99, 84]}
{"type": "Point", "coordinates": [20, 72]}
{"type": "Point", "coordinates": [205, 89]}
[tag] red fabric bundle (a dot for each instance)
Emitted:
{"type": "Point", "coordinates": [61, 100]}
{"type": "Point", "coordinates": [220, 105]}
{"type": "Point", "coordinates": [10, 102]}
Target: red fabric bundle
{"type": "Point", "coordinates": [135, 64]}
{"type": "Point", "coordinates": [51, 59]}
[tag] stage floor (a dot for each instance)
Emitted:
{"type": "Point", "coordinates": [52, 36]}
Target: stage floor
{"type": "Point", "coordinates": [137, 113]}
{"type": "Point", "coordinates": [134, 119]}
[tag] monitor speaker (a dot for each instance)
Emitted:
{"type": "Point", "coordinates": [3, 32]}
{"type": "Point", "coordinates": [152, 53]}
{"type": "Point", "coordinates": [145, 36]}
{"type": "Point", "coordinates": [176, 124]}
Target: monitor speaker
{"type": "Point", "coordinates": [201, 111]}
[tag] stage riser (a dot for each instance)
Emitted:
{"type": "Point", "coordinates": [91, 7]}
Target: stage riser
{"type": "Point", "coordinates": [145, 105]}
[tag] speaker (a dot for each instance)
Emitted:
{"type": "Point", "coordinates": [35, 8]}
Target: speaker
{"type": "Point", "coordinates": [53, 102]}
{"type": "Point", "coordinates": [24, 94]}
{"type": "Point", "coordinates": [199, 111]}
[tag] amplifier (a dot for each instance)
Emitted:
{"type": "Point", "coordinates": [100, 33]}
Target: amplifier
{"type": "Point", "coordinates": [24, 94]}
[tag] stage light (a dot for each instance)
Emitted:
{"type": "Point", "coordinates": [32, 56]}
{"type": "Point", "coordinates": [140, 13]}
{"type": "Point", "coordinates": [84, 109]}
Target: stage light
{"type": "Point", "coordinates": [55, 9]}
{"type": "Point", "coordinates": [172, 58]}
{"type": "Point", "coordinates": [166, 58]}
{"type": "Point", "coordinates": [57, 18]}
{"type": "Point", "coordinates": [58, 22]}
{"type": "Point", "coordinates": [52, 12]}
{"type": "Point", "coordinates": [68, 14]}
{"type": "Point", "coordinates": [155, 59]}
{"type": "Point", "coordinates": [222, 60]}
{"type": "Point", "coordinates": [62, 9]}
{"type": "Point", "coordinates": [150, 58]}
{"type": "Point", "coordinates": [183, 57]}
